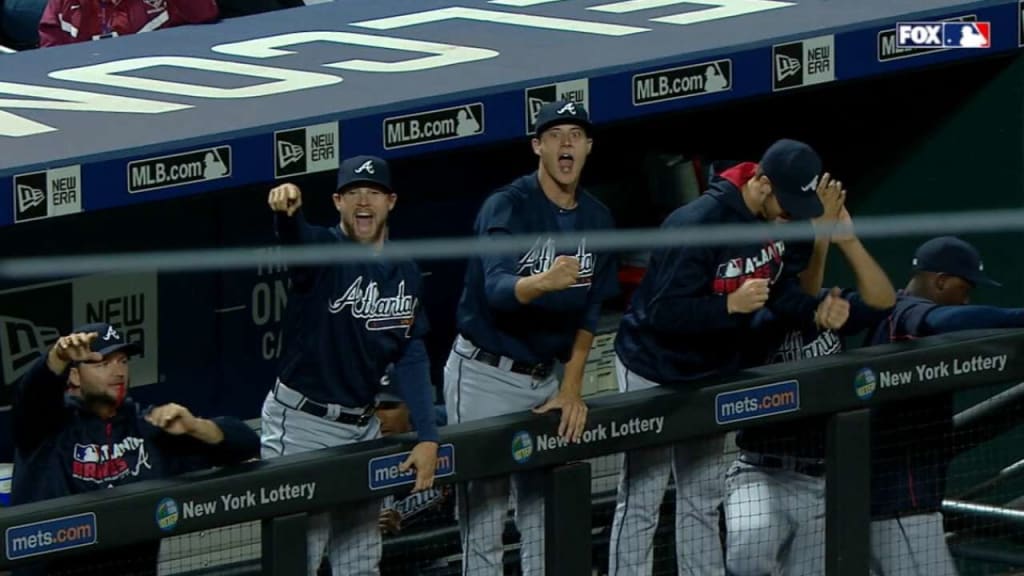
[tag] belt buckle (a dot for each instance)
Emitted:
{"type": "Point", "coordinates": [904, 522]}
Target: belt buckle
{"type": "Point", "coordinates": [540, 371]}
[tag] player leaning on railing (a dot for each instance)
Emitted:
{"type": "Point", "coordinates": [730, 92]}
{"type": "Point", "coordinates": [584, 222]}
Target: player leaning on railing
{"type": "Point", "coordinates": [76, 430]}
{"type": "Point", "coordinates": [775, 490]}
{"type": "Point", "coordinates": [912, 441]}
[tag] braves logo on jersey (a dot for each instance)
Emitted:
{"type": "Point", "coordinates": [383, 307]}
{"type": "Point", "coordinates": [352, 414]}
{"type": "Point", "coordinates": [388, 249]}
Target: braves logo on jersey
{"type": "Point", "coordinates": [103, 463]}
{"type": "Point", "coordinates": [380, 312]}
{"type": "Point", "coordinates": [543, 253]}
{"type": "Point", "coordinates": [765, 264]}
{"type": "Point", "coordinates": [794, 347]}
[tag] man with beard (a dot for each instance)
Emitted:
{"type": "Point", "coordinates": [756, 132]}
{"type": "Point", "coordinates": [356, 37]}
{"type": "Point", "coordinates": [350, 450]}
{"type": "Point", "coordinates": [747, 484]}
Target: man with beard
{"type": "Point", "coordinates": [76, 430]}
{"type": "Point", "coordinates": [518, 317]}
{"type": "Point", "coordinates": [343, 327]}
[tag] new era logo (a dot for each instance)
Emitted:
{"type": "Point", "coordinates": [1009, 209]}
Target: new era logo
{"type": "Point", "coordinates": [29, 197]}
{"type": "Point", "coordinates": [305, 150]}
{"type": "Point", "coordinates": [288, 153]}
{"type": "Point", "coordinates": [786, 66]}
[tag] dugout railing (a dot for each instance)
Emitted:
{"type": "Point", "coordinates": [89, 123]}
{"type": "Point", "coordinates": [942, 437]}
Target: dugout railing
{"type": "Point", "coordinates": [282, 492]}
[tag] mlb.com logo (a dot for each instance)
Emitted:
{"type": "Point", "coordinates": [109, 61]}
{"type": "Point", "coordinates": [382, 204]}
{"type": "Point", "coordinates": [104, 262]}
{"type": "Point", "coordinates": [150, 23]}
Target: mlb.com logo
{"type": "Point", "coordinates": [943, 35]}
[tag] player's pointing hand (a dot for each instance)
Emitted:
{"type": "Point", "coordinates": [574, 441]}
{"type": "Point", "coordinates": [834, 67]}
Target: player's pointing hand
{"type": "Point", "coordinates": [285, 198]}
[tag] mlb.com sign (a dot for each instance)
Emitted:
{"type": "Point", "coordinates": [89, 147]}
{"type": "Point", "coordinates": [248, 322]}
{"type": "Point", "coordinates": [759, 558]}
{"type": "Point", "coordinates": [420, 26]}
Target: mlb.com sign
{"type": "Point", "coordinates": [943, 35]}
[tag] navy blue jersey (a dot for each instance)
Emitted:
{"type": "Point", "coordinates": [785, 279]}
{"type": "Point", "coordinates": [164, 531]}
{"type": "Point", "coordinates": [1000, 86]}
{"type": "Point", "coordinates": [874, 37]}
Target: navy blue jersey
{"type": "Point", "coordinates": [678, 328]}
{"type": "Point", "coordinates": [491, 317]}
{"type": "Point", "coordinates": [773, 341]}
{"type": "Point", "coordinates": [345, 324]}
{"type": "Point", "coordinates": [911, 440]}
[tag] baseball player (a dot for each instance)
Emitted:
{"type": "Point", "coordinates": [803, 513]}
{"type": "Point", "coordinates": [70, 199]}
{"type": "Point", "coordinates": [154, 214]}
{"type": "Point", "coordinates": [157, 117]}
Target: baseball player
{"type": "Point", "coordinates": [775, 490]}
{"type": "Point", "coordinates": [343, 326]}
{"type": "Point", "coordinates": [520, 316]}
{"type": "Point", "coordinates": [911, 440]}
{"type": "Point", "coordinates": [76, 430]}
{"type": "Point", "coordinates": [687, 317]}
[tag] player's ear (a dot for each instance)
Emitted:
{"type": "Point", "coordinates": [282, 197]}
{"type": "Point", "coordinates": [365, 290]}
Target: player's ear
{"type": "Point", "coordinates": [74, 378]}
{"type": "Point", "coordinates": [590, 145]}
{"type": "Point", "coordinates": [392, 198]}
{"type": "Point", "coordinates": [337, 201]}
{"type": "Point", "coordinates": [536, 146]}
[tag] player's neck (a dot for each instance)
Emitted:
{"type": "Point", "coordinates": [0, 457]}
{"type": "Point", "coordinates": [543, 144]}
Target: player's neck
{"type": "Point", "coordinates": [561, 196]}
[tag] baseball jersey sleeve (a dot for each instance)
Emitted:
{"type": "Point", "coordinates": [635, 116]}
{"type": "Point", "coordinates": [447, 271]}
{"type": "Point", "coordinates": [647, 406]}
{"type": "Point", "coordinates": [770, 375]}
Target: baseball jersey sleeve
{"type": "Point", "coordinates": [789, 301]}
{"type": "Point", "coordinates": [38, 406]}
{"type": "Point", "coordinates": [605, 286]}
{"type": "Point", "coordinates": [187, 454]}
{"type": "Point", "coordinates": [942, 319]}
{"type": "Point", "coordinates": [411, 377]}
{"type": "Point", "coordinates": [500, 271]}
{"type": "Point", "coordinates": [680, 301]}
{"type": "Point", "coordinates": [862, 317]}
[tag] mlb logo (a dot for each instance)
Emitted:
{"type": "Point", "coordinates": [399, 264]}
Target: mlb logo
{"type": "Point", "coordinates": [967, 34]}
{"type": "Point", "coordinates": [943, 35]}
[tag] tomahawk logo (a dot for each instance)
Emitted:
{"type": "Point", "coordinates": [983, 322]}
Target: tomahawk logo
{"type": "Point", "coordinates": [380, 312]}
{"type": "Point", "coordinates": [367, 167]}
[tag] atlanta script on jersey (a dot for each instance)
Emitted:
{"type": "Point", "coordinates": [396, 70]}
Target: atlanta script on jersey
{"type": "Point", "coordinates": [106, 463]}
{"type": "Point", "coordinates": [380, 312]}
{"type": "Point", "coordinates": [543, 253]}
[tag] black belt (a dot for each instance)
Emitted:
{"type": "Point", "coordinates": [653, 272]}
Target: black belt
{"type": "Point", "coordinates": [538, 371]}
{"type": "Point", "coordinates": [320, 411]}
{"type": "Point", "coordinates": [807, 468]}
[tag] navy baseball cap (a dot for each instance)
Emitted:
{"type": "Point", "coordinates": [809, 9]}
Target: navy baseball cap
{"type": "Point", "coordinates": [562, 112]}
{"type": "Point", "coordinates": [794, 169]}
{"type": "Point", "coordinates": [953, 256]}
{"type": "Point", "coordinates": [109, 340]}
{"type": "Point", "coordinates": [364, 170]}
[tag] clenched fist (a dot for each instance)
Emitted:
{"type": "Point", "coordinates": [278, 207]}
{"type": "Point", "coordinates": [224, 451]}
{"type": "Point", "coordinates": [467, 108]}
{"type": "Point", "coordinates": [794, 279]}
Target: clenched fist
{"type": "Point", "coordinates": [285, 198]}
{"type": "Point", "coordinates": [833, 311]}
{"type": "Point", "coordinates": [563, 273]}
{"type": "Point", "coordinates": [750, 297]}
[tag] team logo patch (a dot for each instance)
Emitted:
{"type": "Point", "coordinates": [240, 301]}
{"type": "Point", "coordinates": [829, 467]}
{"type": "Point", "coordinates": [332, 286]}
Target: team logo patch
{"type": "Point", "coordinates": [380, 312]}
{"type": "Point", "coordinates": [104, 463]}
{"type": "Point", "coordinates": [766, 264]}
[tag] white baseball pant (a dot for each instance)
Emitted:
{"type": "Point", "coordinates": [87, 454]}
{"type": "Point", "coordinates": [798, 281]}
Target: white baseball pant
{"type": "Point", "coordinates": [474, 390]}
{"type": "Point", "coordinates": [349, 537]}
{"type": "Point", "coordinates": [911, 546]}
{"type": "Point", "coordinates": [775, 522]}
{"type": "Point", "coordinates": [699, 468]}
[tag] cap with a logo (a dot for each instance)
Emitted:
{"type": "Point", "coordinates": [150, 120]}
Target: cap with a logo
{"type": "Point", "coordinates": [562, 112]}
{"type": "Point", "coordinates": [364, 170]}
{"type": "Point", "coordinates": [109, 339]}
{"type": "Point", "coordinates": [953, 256]}
{"type": "Point", "coordinates": [794, 168]}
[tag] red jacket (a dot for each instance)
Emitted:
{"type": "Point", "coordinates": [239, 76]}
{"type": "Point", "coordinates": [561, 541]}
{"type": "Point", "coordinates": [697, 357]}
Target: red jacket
{"type": "Point", "coordinates": [68, 21]}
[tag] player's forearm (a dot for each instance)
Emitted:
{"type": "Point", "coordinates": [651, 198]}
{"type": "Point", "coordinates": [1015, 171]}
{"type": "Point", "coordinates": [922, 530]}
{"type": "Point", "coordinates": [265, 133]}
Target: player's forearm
{"type": "Point", "coordinates": [529, 288]}
{"type": "Point", "coordinates": [691, 315]}
{"type": "Point", "coordinates": [873, 283]}
{"type": "Point", "coordinates": [412, 382]}
{"type": "Point", "coordinates": [813, 277]}
{"type": "Point", "coordinates": [572, 380]}
{"type": "Point", "coordinates": [207, 431]}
